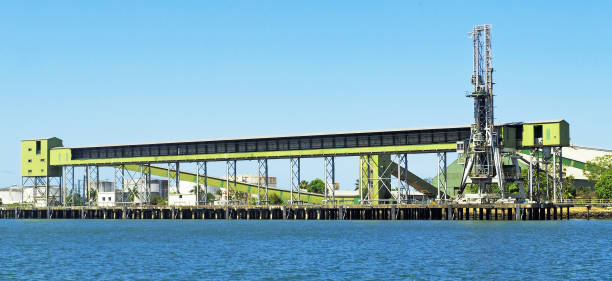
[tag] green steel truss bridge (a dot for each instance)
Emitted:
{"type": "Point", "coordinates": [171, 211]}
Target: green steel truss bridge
{"type": "Point", "coordinates": [51, 169]}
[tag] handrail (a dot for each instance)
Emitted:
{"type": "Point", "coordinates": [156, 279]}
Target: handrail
{"type": "Point", "coordinates": [586, 201]}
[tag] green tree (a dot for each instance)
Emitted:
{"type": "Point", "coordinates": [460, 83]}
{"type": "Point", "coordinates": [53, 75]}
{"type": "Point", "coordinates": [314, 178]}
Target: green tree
{"type": "Point", "coordinates": [597, 167]}
{"type": "Point", "coordinates": [303, 184]}
{"type": "Point", "coordinates": [93, 195]}
{"type": "Point", "coordinates": [242, 196]}
{"type": "Point", "coordinates": [209, 196]}
{"type": "Point", "coordinates": [473, 188]}
{"type": "Point", "coordinates": [603, 187]}
{"type": "Point", "coordinates": [275, 199]}
{"type": "Point", "coordinates": [75, 199]}
{"type": "Point", "coordinates": [133, 194]}
{"type": "Point", "coordinates": [569, 190]}
{"type": "Point", "coordinates": [316, 186]}
{"type": "Point", "coordinates": [158, 200]}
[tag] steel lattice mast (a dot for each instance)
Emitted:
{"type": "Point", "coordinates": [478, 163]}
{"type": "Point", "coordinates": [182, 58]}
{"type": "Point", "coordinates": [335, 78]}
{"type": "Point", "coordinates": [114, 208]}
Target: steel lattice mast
{"type": "Point", "coordinates": [483, 163]}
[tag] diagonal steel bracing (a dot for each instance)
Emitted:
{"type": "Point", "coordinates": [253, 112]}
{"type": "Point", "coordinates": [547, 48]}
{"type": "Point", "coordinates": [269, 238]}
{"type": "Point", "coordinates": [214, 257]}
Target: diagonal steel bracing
{"type": "Point", "coordinates": [69, 187]}
{"type": "Point", "coordinates": [262, 181]}
{"type": "Point", "coordinates": [330, 180]}
{"type": "Point", "coordinates": [230, 182]}
{"type": "Point", "coordinates": [119, 182]}
{"type": "Point", "coordinates": [402, 178]}
{"type": "Point", "coordinates": [295, 173]}
{"type": "Point", "coordinates": [174, 175]}
{"type": "Point", "coordinates": [201, 175]}
{"type": "Point", "coordinates": [442, 178]}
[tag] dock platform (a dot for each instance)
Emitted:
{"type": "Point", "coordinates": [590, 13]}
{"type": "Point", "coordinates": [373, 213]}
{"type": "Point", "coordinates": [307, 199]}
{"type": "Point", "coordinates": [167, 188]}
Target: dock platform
{"type": "Point", "coordinates": [310, 212]}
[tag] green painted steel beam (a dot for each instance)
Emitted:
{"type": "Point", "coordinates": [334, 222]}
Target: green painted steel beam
{"type": "Point", "coordinates": [63, 156]}
{"type": "Point", "coordinates": [312, 198]}
{"type": "Point", "coordinates": [565, 161]}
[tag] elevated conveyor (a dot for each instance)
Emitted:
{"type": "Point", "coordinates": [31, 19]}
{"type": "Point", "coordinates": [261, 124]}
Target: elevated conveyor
{"type": "Point", "coordinates": [417, 182]}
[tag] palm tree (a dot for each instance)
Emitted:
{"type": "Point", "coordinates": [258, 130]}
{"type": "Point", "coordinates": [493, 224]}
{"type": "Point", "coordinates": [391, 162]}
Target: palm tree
{"type": "Point", "coordinates": [93, 196]}
{"type": "Point", "coordinates": [303, 184]}
{"type": "Point", "coordinates": [200, 191]}
{"type": "Point", "coordinates": [133, 193]}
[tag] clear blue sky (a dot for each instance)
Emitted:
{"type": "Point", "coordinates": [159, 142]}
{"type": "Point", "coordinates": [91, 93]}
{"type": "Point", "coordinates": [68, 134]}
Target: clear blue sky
{"type": "Point", "coordinates": [105, 72]}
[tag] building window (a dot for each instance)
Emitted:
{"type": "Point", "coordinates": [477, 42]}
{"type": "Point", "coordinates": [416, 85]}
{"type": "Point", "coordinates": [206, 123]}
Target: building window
{"type": "Point", "coordinates": [29, 160]}
{"type": "Point", "coordinates": [29, 149]}
{"type": "Point", "coordinates": [29, 171]}
{"type": "Point", "coordinates": [42, 160]}
{"type": "Point", "coordinates": [42, 170]}
{"type": "Point", "coordinates": [37, 147]}
{"type": "Point", "coordinates": [103, 198]}
{"type": "Point", "coordinates": [180, 196]}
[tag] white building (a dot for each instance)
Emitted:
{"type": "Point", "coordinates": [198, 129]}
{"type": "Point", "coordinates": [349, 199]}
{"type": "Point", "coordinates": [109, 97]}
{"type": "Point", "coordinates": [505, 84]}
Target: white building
{"type": "Point", "coordinates": [184, 195]}
{"type": "Point", "coordinates": [13, 195]}
{"type": "Point", "coordinates": [18, 195]}
{"type": "Point", "coordinates": [255, 179]}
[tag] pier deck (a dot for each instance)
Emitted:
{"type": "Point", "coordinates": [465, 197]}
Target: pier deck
{"type": "Point", "coordinates": [315, 212]}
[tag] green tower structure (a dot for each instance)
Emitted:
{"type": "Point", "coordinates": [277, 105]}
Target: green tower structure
{"type": "Point", "coordinates": [37, 173]}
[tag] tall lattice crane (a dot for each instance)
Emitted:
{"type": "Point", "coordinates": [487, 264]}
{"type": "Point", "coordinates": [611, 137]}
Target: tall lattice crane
{"type": "Point", "coordinates": [483, 152]}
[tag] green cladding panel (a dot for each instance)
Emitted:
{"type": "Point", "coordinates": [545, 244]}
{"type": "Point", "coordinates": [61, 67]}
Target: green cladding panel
{"type": "Point", "coordinates": [528, 136]}
{"type": "Point", "coordinates": [546, 134]}
{"type": "Point", "coordinates": [35, 158]}
{"type": "Point", "coordinates": [509, 137]}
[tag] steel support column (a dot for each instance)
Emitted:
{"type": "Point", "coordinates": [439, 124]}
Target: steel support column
{"type": "Point", "coordinates": [136, 186]}
{"type": "Point", "coordinates": [294, 172]}
{"type": "Point", "coordinates": [53, 195]}
{"type": "Point", "coordinates": [145, 172]}
{"type": "Point", "coordinates": [531, 160]}
{"type": "Point", "coordinates": [537, 178]}
{"type": "Point", "coordinates": [93, 184]}
{"type": "Point", "coordinates": [38, 183]}
{"type": "Point", "coordinates": [68, 186]}
{"type": "Point", "coordinates": [119, 180]}
{"type": "Point", "coordinates": [262, 180]}
{"type": "Point", "coordinates": [330, 179]}
{"type": "Point", "coordinates": [174, 175]}
{"type": "Point", "coordinates": [402, 178]}
{"type": "Point", "coordinates": [28, 181]}
{"type": "Point", "coordinates": [442, 178]}
{"type": "Point", "coordinates": [365, 176]}
{"type": "Point", "coordinates": [230, 179]}
{"type": "Point", "coordinates": [375, 179]}
{"type": "Point", "coordinates": [201, 173]}
{"type": "Point", "coordinates": [86, 185]}
{"type": "Point", "coordinates": [39, 189]}
{"type": "Point", "coordinates": [557, 174]}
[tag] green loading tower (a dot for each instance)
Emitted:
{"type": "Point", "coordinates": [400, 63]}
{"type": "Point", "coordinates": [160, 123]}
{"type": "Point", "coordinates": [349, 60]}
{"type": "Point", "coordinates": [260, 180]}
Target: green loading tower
{"type": "Point", "coordinates": [41, 182]}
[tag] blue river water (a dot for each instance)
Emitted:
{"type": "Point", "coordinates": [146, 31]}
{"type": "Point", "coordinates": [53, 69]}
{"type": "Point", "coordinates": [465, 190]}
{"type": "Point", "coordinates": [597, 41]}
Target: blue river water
{"type": "Point", "coordinates": [316, 250]}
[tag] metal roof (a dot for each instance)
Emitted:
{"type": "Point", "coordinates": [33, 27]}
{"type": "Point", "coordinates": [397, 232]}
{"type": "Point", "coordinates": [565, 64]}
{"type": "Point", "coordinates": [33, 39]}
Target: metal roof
{"type": "Point", "coordinates": [37, 139]}
{"type": "Point", "coordinates": [277, 136]}
{"type": "Point", "coordinates": [592, 148]}
{"type": "Point", "coordinates": [308, 135]}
